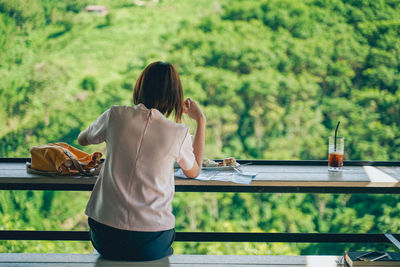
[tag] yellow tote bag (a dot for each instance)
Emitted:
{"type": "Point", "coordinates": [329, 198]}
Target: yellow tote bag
{"type": "Point", "coordinates": [63, 159]}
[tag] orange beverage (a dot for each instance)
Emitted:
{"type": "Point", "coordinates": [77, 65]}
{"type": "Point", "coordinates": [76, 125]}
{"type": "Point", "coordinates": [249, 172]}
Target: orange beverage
{"type": "Point", "coordinates": [335, 160]}
{"type": "Point", "coordinates": [335, 152]}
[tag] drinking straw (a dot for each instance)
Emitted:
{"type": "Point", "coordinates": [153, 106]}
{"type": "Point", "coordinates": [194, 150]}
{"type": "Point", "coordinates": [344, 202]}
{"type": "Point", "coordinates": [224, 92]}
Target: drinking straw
{"type": "Point", "coordinates": [337, 126]}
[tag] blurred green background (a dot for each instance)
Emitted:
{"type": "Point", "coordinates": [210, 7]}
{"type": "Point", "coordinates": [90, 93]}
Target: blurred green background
{"type": "Point", "coordinates": [273, 78]}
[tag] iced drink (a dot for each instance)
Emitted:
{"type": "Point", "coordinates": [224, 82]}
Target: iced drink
{"type": "Point", "coordinates": [335, 160]}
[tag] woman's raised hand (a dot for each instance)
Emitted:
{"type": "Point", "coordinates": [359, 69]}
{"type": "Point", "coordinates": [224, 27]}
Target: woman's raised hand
{"type": "Point", "coordinates": [191, 108]}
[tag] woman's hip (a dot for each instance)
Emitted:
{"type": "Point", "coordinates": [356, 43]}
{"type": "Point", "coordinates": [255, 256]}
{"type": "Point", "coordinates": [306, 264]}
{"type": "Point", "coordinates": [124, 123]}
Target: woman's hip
{"type": "Point", "coordinates": [117, 244]}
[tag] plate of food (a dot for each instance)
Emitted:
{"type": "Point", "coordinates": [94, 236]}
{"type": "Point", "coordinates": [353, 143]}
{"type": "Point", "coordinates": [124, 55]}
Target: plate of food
{"type": "Point", "coordinates": [225, 164]}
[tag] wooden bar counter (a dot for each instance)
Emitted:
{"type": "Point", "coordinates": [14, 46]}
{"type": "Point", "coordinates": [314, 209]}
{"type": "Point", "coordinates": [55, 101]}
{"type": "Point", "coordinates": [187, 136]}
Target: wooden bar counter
{"type": "Point", "coordinates": [273, 176]}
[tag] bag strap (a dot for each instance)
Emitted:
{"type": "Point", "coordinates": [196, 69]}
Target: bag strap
{"type": "Point", "coordinates": [76, 163]}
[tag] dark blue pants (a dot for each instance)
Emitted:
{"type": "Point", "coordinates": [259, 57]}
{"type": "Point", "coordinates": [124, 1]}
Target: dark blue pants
{"type": "Point", "coordinates": [117, 244]}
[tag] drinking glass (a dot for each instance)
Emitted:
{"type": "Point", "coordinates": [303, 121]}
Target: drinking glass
{"type": "Point", "coordinates": [335, 160]}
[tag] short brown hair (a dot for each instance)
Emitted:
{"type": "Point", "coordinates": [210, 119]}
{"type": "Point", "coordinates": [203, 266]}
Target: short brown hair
{"type": "Point", "coordinates": [159, 87]}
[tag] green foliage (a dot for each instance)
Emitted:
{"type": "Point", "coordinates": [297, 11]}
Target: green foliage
{"type": "Point", "coordinates": [27, 13]}
{"type": "Point", "coordinates": [110, 17]}
{"type": "Point", "coordinates": [89, 83]}
{"type": "Point", "coordinates": [273, 78]}
{"type": "Point", "coordinates": [300, 67]}
{"type": "Point", "coordinates": [64, 27]}
{"type": "Point", "coordinates": [43, 210]}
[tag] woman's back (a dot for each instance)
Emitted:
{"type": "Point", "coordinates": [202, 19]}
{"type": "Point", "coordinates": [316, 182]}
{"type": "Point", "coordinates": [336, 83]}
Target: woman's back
{"type": "Point", "coordinates": [136, 186]}
{"type": "Point", "coordinates": [130, 214]}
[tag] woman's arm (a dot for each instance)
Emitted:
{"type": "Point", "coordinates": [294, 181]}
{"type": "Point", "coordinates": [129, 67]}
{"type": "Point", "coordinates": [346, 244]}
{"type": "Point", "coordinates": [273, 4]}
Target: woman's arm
{"type": "Point", "coordinates": [82, 139]}
{"type": "Point", "coordinates": [194, 111]}
{"type": "Point", "coordinates": [96, 132]}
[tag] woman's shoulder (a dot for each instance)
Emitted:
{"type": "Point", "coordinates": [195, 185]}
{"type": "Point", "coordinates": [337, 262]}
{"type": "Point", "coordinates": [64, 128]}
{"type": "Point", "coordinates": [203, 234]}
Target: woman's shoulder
{"type": "Point", "coordinates": [181, 127]}
{"type": "Point", "coordinates": [155, 115]}
{"type": "Point", "coordinates": [177, 126]}
{"type": "Point", "coordinates": [168, 125]}
{"type": "Point", "coordinates": [125, 109]}
{"type": "Point", "coordinates": [118, 107]}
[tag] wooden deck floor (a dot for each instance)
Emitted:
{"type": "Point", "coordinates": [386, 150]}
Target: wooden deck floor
{"type": "Point", "coordinates": [93, 260]}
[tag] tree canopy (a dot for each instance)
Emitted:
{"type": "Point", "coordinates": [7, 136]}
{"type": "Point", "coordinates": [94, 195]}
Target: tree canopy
{"type": "Point", "coordinates": [273, 76]}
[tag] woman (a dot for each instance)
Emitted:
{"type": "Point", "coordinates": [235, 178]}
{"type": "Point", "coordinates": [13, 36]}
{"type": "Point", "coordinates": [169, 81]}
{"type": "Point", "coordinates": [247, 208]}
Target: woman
{"type": "Point", "coordinates": [129, 210]}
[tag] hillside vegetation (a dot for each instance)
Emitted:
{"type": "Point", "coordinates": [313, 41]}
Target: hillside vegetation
{"type": "Point", "coordinates": [273, 76]}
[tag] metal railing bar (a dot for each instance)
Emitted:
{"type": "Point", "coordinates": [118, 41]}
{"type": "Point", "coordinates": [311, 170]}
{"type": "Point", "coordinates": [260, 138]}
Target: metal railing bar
{"type": "Point", "coordinates": [287, 189]}
{"type": "Point", "coordinates": [273, 162]}
{"type": "Point", "coordinates": [216, 189]}
{"type": "Point", "coordinates": [46, 186]}
{"type": "Point", "coordinates": [211, 237]}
